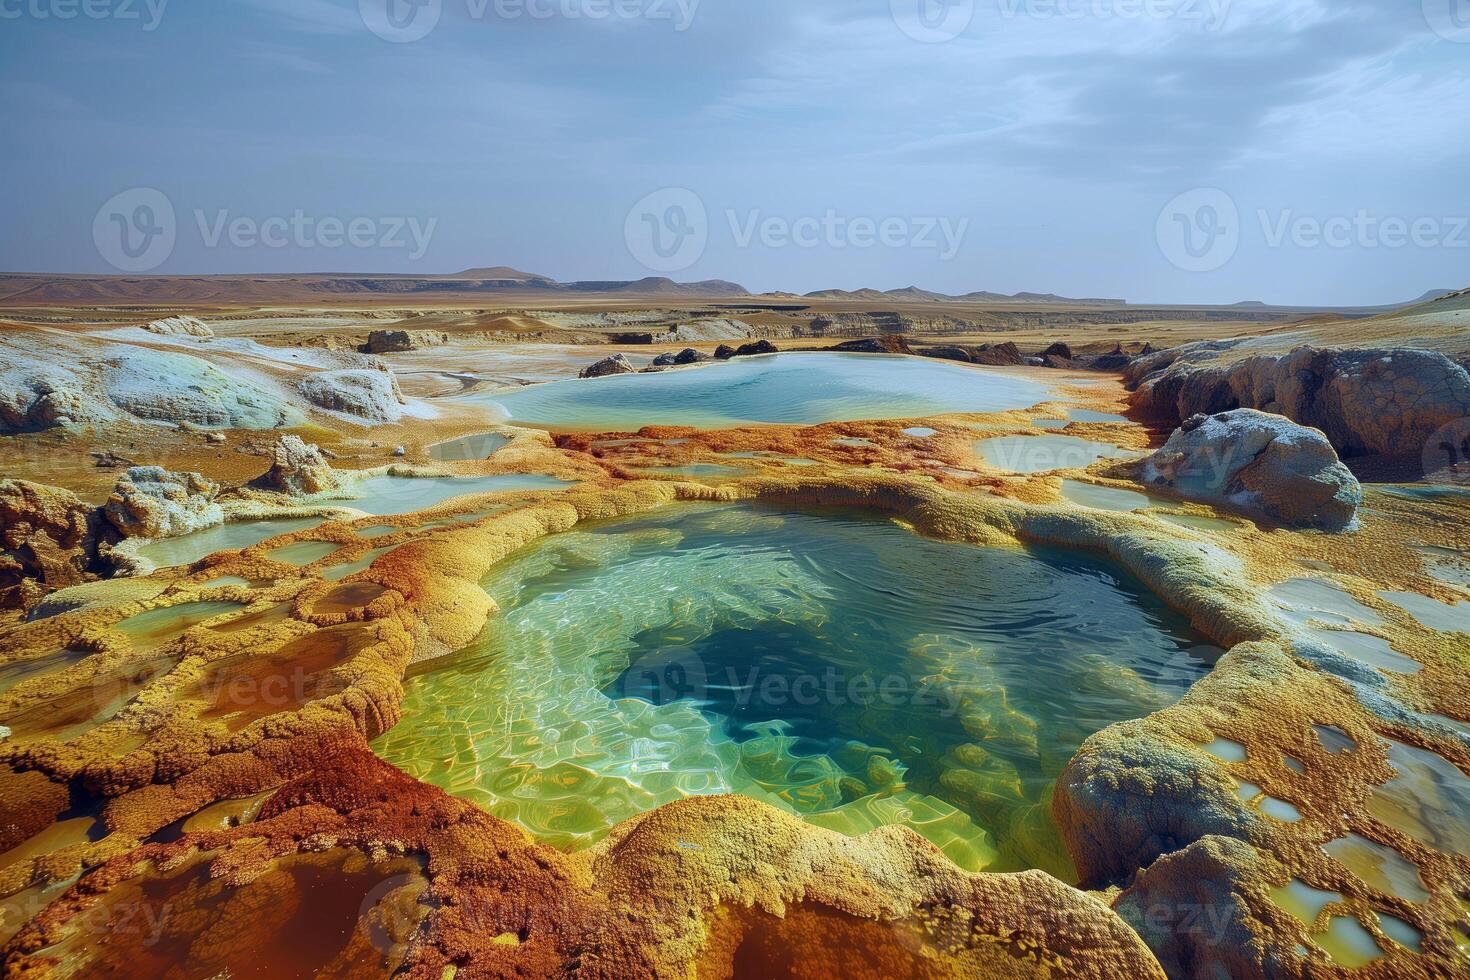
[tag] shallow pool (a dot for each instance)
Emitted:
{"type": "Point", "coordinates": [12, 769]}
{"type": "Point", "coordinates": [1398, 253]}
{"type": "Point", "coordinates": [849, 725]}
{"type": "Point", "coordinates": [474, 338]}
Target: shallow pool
{"type": "Point", "coordinates": [1042, 454]}
{"type": "Point", "coordinates": [189, 548]}
{"type": "Point", "coordinates": [828, 663]}
{"type": "Point", "coordinates": [797, 389]}
{"type": "Point", "coordinates": [385, 495]}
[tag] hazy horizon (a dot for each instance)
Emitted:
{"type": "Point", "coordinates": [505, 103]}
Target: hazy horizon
{"type": "Point", "coordinates": [1164, 151]}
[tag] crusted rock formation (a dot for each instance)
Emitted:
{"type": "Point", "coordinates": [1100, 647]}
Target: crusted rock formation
{"type": "Point", "coordinates": [152, 502]}
{"type": "Point", "coordinates": [49, 539]}
{"type": "Point", "coordinates": [364, 393]}
{"type": "Point", "coordinates": [1258, 464]}
{"type": "Point", "coordinates": [180, 326]}
{"type": "Point", "coordinates": [298, 468]}
{"type": "Point", "coordinates": [397, 341]}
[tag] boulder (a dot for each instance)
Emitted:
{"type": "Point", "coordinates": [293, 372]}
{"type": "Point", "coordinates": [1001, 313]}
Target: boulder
{"type": "Point", "coordinates": [690, 356]}
{"type": "Point", "coordinates": [298, 468]}
{"type": "Point", "coordinates": [1058, 350]}
{"type": "Point", "coordinates": [1385, 402]}
{"type": "Point", "coordinates": [1033, 362]}
{"type": "Point", "coordinates": [1191, 909]}
{"type": "Point", "coordinates": [1115, 360]}
{"type": "Point", "coordinates": [998, 355]}
{"type": "Point", "coordinates": [180, 326]}
{"type": "Point", "coordinates": [724, 352]}
{"type": "Point", "coordinates": [948, 352]}
{"type": "Point", "coordinates": [1261, 464]}
{"type": "Point", "coordinates": [48, 540]}
{"type": "Point", "coordinates": [1057, 362]}
{"type": "Point", "coordinates": [887, 344]}
{"type": "Point", "coordinates": [397, 341]}
{"type": "Point", "coordinates": [364, 393]}
{"type": "Point", "coordinates": [152, 502]}
{"type": "Point", "coordinates": [757, 347]}
{"type": "Point", "coordinates": [608, 366]}
{"type": "Point", "coordinates": [666, 359]}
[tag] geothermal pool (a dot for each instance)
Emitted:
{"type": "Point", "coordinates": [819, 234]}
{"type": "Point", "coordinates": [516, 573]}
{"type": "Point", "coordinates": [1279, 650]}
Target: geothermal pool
{"type": "Point", "coordinates": [830, 663]}
{"type": "Point", "coordinates": [796, 389]}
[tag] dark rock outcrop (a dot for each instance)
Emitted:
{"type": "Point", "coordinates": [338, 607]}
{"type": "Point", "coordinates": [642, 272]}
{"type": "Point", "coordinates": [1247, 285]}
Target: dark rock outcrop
{"type": "Point", "coordinates": [724, 352]}
{"type": "Point", "coordinates": [1368, 402]}
{"type": "Point", "coordinates": [1061, 350]}
{"type": "Point", "coordinates": [998, 355]}
{"type": "Point", "coordinates": [1263, 465]}
{"type": "Point", "coordinates": [757, 347]}
{"type": "Point", "coordinates": [690, 356]}
{"type": "Point", "coordinates": [608, 366]}
{"type": "Point", "coordinates": [397, 341]}
{"type": "Point", "coordinates": [888, 344]}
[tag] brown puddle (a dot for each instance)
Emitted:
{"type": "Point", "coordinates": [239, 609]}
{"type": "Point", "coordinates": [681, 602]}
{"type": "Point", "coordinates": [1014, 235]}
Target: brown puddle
{"type": "Point", "coordinates": [224, 815]}
{"type": "Point", "coordinates": [333, 914]}
{"type": "Point", "coordinates": [67, 830]}
{"type": "Point", "coordinates": [347, 598]}
{"type": "Point", "coordinates": [249, 686]}
{"type": "Point", "coordinates": [12, 674]}
{"type": "Point", "coordinates": [88, 705]}
{"type": "Point", "coordinates": [278, 613]}
{"type": "Point", "coordinates": [156, 627]}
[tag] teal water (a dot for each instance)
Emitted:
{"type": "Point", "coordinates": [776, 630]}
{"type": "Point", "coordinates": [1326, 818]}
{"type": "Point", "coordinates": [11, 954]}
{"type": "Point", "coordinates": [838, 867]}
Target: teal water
{"type": "Point", "coordinates": [796, 389]}
{"type": "Point", "coordinates": [831, 664]}
{"type": "Point", "coordinates": [480, 446]}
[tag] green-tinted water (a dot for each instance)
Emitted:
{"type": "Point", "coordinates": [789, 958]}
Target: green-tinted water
{"type": "Point", "coordinates": [831, 664]}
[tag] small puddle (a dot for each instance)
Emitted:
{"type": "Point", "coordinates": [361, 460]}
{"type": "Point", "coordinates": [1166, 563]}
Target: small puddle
{"type": "Point", "coordinates": [480, 446]}
{"type": "Point", "coordinates": [376, 531]}
{"type": "Point", "coordinates": [852, 441]}
{"type": "Point", "coordinates": [1428, 799]}
{"type": "Point", "coordinates": [696, 470]}
{"type": "Point", "coordinates": [245, 687]}
{"type": "Point", "coordinates": [156, 627]}
{"type": "Point", "coordinates": [1304, 901]}
{"type": "Point", "coordinates": [303, 553]}
{"type": "Point", "coordinates": [1099, 497]}
{"type": "Point", "coordinates": [13, 673]}
{"type": "Point", "coordinates": [1279, 810]}
{"type": "Point", "coordinates": [347, 598]}
{"type": "Point", "coordinates": [87, 706]}
{"type": "Point", "coordinates": [223, 815]}
{"type": "Point", "coordinates": [1401, 932]}
{"type": "Point", "coordinates": [1379, 866]}
{"type": "Point", "coordinates": [189, 548]}
{"type": "Point", "coordinates": [1226, 750]}
{"type": "Point", "coordinates": [1334, 740]}
{"type": "Point", "coordinates": [1042, 454]}
{"type": "Point", "coordinates": [919, 432]}
{"type": "Point", "coordinates": [1347, 943]}
{"type": "Point", "coordinates": [1302, 601]}
{"type": "Point", "coordinates": [338, 572]}
{"type": "Point", "coordinates": [278, 613]}
{"type": "Point", "coordinates": [1371, 650]}
{"type": "Point", "coordinates": [1197, 522]}
{"type": "Point", "coordinates": [1441, 616]}
{"type": "Point", "coordinates": [67, 830]}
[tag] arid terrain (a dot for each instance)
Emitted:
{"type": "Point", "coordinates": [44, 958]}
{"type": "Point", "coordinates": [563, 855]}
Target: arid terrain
{"type": "Point", "coordinates": [353, 625]}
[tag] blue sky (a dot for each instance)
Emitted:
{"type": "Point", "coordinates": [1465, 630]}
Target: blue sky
{"type": "Point", "coordinates": [1048, 138]}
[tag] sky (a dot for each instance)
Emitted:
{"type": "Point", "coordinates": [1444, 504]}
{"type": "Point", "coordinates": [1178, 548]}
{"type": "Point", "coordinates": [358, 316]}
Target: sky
{"type": "Point", "coordinates": [1311, 152]}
